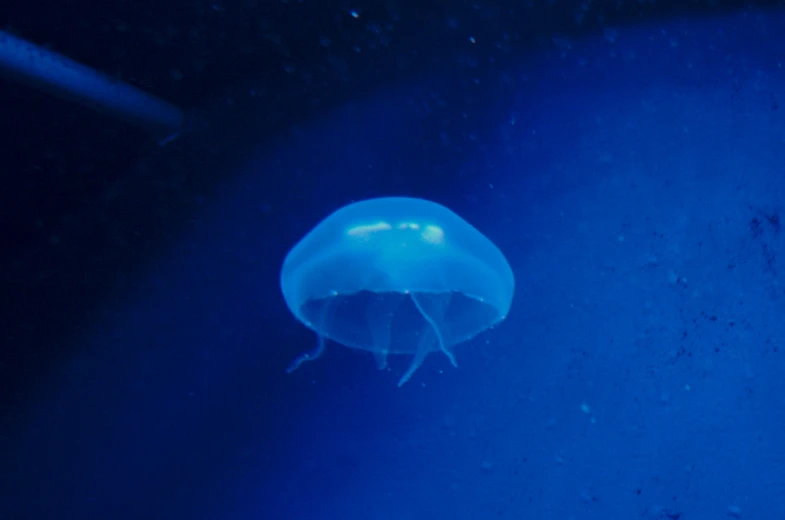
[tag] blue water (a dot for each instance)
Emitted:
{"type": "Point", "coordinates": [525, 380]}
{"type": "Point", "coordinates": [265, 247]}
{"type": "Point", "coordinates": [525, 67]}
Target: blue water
{"type": "Point", "coordinates": [634, 181]}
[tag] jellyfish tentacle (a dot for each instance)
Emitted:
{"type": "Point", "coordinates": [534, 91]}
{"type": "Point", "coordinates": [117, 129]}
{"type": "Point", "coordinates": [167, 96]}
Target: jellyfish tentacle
{"type": "Point", "coordinates": [308, 356]}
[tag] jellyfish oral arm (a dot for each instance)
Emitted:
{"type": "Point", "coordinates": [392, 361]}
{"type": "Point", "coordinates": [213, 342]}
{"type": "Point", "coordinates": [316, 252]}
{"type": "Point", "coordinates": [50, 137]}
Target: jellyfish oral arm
{"type": "Point", "coordinates": [436, 330]}
{"type": "Point", "coordinates": [431, 332]}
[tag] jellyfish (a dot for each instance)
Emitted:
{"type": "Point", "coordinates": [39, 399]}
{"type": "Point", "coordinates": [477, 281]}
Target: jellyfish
{"type": "Point", "coordinates": [396, 275]}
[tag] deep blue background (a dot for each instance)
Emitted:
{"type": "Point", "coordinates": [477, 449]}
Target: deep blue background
{"type": "Point", "coordinates": [145, 339]}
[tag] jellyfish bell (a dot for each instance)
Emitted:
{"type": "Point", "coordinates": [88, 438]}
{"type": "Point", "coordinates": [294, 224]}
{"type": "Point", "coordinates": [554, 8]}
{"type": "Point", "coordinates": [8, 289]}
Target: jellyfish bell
{"type": "Point", "coordinates": [396, 275]}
